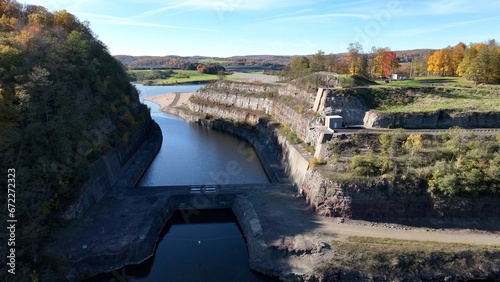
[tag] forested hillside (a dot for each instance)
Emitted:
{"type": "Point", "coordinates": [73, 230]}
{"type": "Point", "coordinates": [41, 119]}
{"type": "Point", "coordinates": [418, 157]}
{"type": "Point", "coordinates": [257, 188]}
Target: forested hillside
{"type": "Point", "coordinates": [64, 101]}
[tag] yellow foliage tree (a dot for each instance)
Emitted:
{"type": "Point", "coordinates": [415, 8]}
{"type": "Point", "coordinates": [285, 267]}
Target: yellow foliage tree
{"type": "Point", "coordinates": [413, 143]}
{"type": "Point", "coordinates": [481, 62]}
{"type": "Point", "coordinates": [439, 62]}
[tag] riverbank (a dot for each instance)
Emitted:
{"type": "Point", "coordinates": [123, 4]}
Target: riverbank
{"type": "Point", "coordinates": [175, 99]}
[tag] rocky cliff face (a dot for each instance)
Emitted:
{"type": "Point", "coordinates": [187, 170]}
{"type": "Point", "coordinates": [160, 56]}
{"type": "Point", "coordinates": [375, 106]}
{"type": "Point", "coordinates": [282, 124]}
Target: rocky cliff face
{"type": "Point", "coordinates": [383, 202]}
{"type": "Point", "coordinates": [244, 96]}
{"type": "Point", "coordinates": [439, 119]}
{"type": "Point", "coordinates": [245, 101]}
{"type": "Point", "coordinates": [350, 107]}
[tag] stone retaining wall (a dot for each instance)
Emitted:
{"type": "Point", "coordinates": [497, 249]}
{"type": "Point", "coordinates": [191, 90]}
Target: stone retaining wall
{"type": "Point", "coordinates": [115, 166]}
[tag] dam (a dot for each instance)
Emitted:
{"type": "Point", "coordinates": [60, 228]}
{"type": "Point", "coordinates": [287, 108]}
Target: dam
{"type": "Point", "coordinates": [196, 169]}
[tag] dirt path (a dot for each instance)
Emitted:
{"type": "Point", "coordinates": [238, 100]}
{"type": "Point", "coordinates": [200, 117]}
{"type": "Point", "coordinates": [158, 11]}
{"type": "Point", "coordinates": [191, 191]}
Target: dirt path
{"type": "Point", "coordinates": [299, 238]}
{"type": "Point", "coordinates": [295, 217]}
{"type": "Point", "coordinates": [356, 228]}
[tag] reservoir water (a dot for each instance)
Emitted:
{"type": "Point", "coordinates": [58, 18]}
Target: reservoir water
{"type": "Point", "coordinates": [210, 247]}
{"type": "Point", "coordinates": [191, 154]}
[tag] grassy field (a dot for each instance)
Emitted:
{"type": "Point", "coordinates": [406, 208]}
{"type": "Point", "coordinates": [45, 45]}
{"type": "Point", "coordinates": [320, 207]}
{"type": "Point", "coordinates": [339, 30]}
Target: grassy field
{"type": "Point", "coordinates": [429, 81]}
{"type": "Point", "coordinates": [443, 93]}
{"type": "Point", "coordinates": [431, 103]}
{"type": "Point", "coordinates": [214, 61]}
{"type": "Point", "coordinates": [183, 77]}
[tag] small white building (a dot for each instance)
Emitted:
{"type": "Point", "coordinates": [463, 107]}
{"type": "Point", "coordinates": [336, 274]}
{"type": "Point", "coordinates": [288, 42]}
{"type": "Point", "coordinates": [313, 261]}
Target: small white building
{"type": "Point", "coordinates": [398, 76]}
{"type": "Point", "coordinates": [334, 122]}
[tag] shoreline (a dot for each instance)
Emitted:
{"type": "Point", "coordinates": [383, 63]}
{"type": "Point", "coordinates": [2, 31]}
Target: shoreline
{"type": "Point", "coordinates": [174, 99]}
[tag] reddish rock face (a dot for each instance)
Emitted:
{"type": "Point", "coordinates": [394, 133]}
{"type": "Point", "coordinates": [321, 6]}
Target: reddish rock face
{"type": "Point", "coordinates": [380, 202]}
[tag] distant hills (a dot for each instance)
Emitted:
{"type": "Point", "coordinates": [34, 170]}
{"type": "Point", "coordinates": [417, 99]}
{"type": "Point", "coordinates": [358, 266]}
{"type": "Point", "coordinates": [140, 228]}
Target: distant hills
{"type": "Point", "coordinates": [239, 63]}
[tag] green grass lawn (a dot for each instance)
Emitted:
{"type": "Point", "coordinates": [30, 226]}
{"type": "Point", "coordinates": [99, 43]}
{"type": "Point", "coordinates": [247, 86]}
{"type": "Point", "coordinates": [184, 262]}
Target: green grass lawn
{"type": "Point", "coordinates": [429, 81]}
{"type": "Point", "coordinates": [454, 93]}
{"type": "Point", "coordinates": [214, 61]}
{"type": "Point", "coordinates": [184, 77]}
{"type": "Point", "coordinates": [464, 103]}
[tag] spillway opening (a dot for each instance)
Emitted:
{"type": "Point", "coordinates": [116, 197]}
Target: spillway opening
{"type": "Point", "coordinates": [194, 245]}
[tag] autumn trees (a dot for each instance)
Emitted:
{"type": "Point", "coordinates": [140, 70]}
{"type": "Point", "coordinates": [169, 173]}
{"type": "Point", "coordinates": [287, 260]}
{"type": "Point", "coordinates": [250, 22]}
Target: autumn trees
{"type": "Point", "coordinates": [384, 62]}
{"type": "Point", "coordinates": [211, 68]}
{"type": "Point", "coordinates": [479, 62]}
{"type": "Point", "coordinates": [380, 62]}
{"type": "Point", "coordinates": [57, 83]}
{"type": "Point", "coordinates": [445, 62]}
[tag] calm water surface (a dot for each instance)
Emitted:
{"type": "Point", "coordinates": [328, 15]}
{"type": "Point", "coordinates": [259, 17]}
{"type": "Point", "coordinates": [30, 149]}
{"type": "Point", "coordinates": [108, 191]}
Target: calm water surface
{"type": "Point", "coordinates": [210, 247]}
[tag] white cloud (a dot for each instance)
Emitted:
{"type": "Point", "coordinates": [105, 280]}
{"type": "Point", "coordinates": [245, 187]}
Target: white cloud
{"type": "Point", "coordinates": [112, 20]}
{"type": "Point", "coordinates": [316, 17]}
{"type": "Point", "coordinates": [223, 5]}
{"type": "Point", "coordinates": [443, 7]}
{"type": "Point", "coordinates": [440, 27]}
{"type": "Point", "coordinates": [448, 7]}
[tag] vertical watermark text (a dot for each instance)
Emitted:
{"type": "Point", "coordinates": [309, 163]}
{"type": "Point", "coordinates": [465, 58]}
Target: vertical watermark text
{"type": "Point", "coordinates": [11, 220]}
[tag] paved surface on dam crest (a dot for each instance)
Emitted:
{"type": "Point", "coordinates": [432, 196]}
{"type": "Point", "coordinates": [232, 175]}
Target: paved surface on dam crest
{"type": "Point", "coordinates": [128, 215]}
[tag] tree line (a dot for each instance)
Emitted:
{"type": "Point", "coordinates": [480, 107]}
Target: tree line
{"type": "Point", "coordinates": [379, 63]}
{"type": "Point", "coordinates": [478, 62]}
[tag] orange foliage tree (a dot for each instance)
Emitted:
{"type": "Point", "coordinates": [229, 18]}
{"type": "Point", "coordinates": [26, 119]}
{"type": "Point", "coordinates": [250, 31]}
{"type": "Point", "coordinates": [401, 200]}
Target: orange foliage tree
{"type": "Point", "coordinates": [445, 62]}
{"type": "Point", "coordinates": [384, 62]}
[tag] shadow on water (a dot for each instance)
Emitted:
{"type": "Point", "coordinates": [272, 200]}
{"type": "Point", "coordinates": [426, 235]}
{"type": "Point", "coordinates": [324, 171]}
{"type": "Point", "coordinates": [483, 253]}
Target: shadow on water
{"type": "Point", "coordinates": [210, 247]}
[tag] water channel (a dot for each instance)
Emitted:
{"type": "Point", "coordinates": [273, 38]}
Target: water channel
{"type": "Point", "coordinates": [211, 246]}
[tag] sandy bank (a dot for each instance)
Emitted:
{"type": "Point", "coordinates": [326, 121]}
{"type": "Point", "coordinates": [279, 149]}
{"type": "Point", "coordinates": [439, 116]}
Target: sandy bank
{"type": "Point", "coordinates": [175, 99]}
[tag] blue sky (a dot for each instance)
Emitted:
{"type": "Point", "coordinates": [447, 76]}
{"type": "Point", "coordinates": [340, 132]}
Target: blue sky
{"type": "Point", "coordinates": [223, 28]}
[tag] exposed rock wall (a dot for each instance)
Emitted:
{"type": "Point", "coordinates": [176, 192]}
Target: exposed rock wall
{"type": "Point", "coordinates": [227, 100]}
{"type": "Point", "coordinates": [228, 113]}
{"type": "Point", "coordinates": [260, 258]}
{"type": "Point", "coordinates": [233, 87]}
{"type": "Point", "coordinates": [350, 107]}
{"type": "Point", "coordinates": [383, 202]}
{"type": "Point", "coordinates": [293, 90]}
{"type": "Point", "coordinates": [225, 95]}
{"type": "Point", "coordinates": [438, 119]}
{"type": "Point", "coordinates": [138, 153]}
{"type": "Point", "coordinates": [371, 201]}
{"type": "Point", "coordinates": [295, 162]}
{"type": "Point", "coordinates": [286, 115]}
